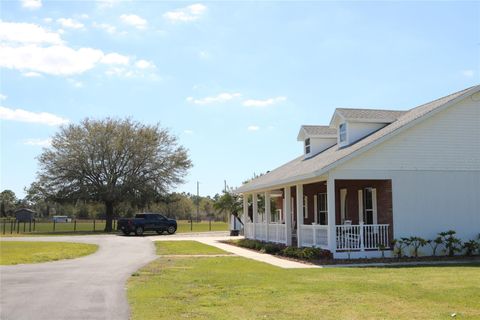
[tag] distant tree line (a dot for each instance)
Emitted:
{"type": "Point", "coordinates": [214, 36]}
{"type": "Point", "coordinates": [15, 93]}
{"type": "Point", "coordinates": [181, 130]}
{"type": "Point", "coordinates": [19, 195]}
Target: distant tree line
{"type": "Point", "coordinates": [181, 206]}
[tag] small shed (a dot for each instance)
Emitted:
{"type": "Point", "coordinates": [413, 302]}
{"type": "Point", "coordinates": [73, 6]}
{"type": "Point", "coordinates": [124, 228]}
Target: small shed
{"type": "Point", "coordinates": [24, 215]}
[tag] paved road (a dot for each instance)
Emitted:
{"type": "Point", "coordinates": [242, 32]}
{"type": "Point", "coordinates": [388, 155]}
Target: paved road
{"type": "Point", "coordinates": [91, 287]}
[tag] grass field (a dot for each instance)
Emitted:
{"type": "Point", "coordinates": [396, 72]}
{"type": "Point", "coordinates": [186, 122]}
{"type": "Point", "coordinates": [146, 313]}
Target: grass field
{"type": "Point", "coordinates": [238, 288]}
{"type": "Point", "coordinates": [15, 252]}
{"type": "Point", "coordinates": [185, 248]}
{"type": "Point", "coordinates": [88, 227]}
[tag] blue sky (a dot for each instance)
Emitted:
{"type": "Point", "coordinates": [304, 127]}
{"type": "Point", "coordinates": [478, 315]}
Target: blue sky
{"type": "Point", "coordinates": [233, 80]}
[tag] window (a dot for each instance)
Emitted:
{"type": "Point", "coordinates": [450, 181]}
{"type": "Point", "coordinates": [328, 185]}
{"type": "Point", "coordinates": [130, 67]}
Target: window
{"type": "Point", "coordinates": [322, 209]}
{"type": "Point", "coordinates": [343, 132]}
{"type": "Point", "coordinates": [305, 207]}
{"type": "Point", "coordinates": [307, 145]}
{"type": "Point", "coordinates": [370, 206]}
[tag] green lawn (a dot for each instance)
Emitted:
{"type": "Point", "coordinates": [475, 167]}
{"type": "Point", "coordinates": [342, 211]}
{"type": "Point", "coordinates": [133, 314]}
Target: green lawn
{"type": "Point", "coordinates": [185, 248]}
{"type": "Point", "coordinates": [238, 288]}
{"type": "Point", "coordinates": [15, 252]}
{"type": "Point", "coordinates": [88, 227]}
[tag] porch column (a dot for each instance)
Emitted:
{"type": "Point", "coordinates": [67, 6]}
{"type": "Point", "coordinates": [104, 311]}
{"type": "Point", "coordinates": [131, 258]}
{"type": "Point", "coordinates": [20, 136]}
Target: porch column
{"type": "Point", "coordinates": [245, 212]}
{"type": "Point", "coordinates": [332, 241]}
{"type": "Point", "coordinates": [268, 213]}
{"type": "Point", "coordinates": [287, 208]}
{"type": "Point", "coordinates": [299, 188]}
{"type": "Point", "coordinates": [254, 213]}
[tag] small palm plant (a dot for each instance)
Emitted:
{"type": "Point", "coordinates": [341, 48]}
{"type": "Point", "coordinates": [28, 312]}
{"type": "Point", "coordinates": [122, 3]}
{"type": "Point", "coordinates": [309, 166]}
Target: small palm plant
{"type": "Point", "coordinates": [470, 247]}
{"type": "Point", "coordinates": [398, 245]}
{"type": "Point", "coordinates": [382, 248]}
{"type": "Point", "coordinates": [417, 243]}
{"type": "Point", "coordinates": [434, 244]}
{"type": "Point", "coordinates": [452, 243]}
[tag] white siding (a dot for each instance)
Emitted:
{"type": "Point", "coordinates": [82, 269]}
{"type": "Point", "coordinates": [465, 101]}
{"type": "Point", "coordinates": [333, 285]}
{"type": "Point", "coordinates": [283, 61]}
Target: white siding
{"type": "Point", "coordinates": [358, 130]}
{"type": "Point", "coordinates": [450, 140]}
{"type": "Point", "coordinates": [317, 145]}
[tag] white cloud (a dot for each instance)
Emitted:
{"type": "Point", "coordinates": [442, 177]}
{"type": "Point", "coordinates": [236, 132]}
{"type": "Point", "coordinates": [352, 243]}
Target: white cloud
{"type": "Point", "coordinates": [31, 74]}
{"type": "Point", "coordinates": [70, 23]}
{"type": "Point", "coordinates": [134, 21]}
{"type": "Point", "coordinates": [55, 60]}
{"type": "Point", "coordinates": [105, 26]}
{"type": "Point", "coordinates": [27, 33]}
{"type": "Point", "coordinates": [31, 4]}
{"type": "Point", "coordinates": [34, 50]}
{"type": "Point", "coordinates": [253, 128]}
{"type": "Point", "coordinates": [115, 58]}
{"type": "Point", "coordinates": [2, 97]}
{"type": "Point", "coordinates": [48, 20]}
{"type": "Point", "coordinates": [190, 13]}
{"type": "Point", "coordinates": [220, 98]}
{"type": "Point", "coordinates": [144, 64]}
{"type": "Point", "coordinates": [468, 73]}
{"type": "Point", "coordinates": [263, 103]}
{"type": "Point", "coordinates": [31, 117]}
{"type": "Point", "coordinates": [188, 131]}
{"type": "Point", "coordinates": [38, 142]}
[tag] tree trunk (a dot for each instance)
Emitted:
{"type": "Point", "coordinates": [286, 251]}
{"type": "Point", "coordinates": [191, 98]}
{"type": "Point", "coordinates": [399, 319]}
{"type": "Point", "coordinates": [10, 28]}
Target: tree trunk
{"type": "Point", "coordinates": [108, 216]}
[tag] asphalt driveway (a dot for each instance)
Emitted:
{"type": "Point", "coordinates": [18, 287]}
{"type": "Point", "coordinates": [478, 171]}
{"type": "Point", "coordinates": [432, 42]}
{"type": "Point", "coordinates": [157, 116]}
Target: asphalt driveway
{"type": "Point", "coordinates": [91, 287]}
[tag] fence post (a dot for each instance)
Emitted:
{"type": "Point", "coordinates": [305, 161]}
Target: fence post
{"type": "Point", "coordinates": [4, 222]}
{"type": "Point", "coordinates": [11, 226]}
{"type": "Point", "coordinates": [24, 223]}
{"type": "Point", "coordinates": [93, 225]}
{"type": "Point", "coordinates": [34, 225]}
{"type": "Point", "coordinates": [362, 246]}
{"type": "Point", "coordinates": [30, 226]}
{"type": "Point", "coordinates": [210, 224]}
{"type": "Point", "coordinates": [75, 225]}
{"type": "Point", "coordinates": [54, 221]}
{"type": "Point", "coordinates": [18, 226]}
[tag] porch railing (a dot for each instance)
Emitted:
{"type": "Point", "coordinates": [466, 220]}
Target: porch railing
{"type": "Point", "coordinates": [276, 232]}
{"type": "Point", "coordinates": [362, 237]}
{"type": "Point", "coordinates": [313, 235]}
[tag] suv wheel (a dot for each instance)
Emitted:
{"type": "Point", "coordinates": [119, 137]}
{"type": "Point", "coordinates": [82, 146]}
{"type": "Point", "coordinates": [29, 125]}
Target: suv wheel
{"type": "Point", "coordinates": [139, 231]}
{"type": "Point", "coordinates": [171, 230]}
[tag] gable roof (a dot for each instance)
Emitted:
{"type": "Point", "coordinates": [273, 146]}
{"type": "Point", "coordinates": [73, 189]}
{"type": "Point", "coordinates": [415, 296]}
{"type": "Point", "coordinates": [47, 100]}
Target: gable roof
{"type": "Point", "coordinates": [316, 131]}
{"type": "Point", "coordinates": [366, 115]}
{"type": "Point", "coordinates": [301, 168]}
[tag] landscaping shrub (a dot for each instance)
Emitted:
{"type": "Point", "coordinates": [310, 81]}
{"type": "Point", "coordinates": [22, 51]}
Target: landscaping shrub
{"type": "Point", "coordinates": [470, 247]}
{"type": "Point", "coordinates": [271, 248]}
{"type": "Point", "coordinates": [452, 243]}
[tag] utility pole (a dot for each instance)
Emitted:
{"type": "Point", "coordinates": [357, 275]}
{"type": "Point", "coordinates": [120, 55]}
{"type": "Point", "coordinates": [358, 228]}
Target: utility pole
{"type": "Point", "coordinates": [198, 199]}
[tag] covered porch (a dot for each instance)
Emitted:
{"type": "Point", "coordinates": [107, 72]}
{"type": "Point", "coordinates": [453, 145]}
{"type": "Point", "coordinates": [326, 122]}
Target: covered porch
{"type": "Point", "coordinates": [338, 215]}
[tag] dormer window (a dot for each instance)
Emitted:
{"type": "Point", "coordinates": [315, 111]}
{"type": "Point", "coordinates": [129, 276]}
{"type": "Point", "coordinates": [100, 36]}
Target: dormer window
{"type": "Point", "coordinates": [307, 146]}
{"type": "Point", "coordinates": [342, 132]}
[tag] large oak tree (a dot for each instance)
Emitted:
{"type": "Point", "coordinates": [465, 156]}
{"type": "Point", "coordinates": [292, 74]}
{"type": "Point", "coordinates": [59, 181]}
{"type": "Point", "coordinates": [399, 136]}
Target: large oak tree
{"type": "Point", "coordinates": [111, 161]}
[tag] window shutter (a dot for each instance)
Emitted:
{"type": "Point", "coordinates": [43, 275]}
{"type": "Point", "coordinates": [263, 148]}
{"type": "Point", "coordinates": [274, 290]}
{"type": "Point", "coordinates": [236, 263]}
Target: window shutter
{"type": "Point", "coordinates": [374, 205]}
{"type": "Point", "coordinates": [360, 206]}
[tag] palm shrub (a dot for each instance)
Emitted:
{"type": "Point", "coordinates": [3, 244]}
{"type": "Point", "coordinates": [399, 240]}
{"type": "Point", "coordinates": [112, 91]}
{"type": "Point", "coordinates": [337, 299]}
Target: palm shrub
{"type": "Point", "coordinates": [434, 244]}
{"type": "Point", "coordinates": [452, 243]}
{"type": "Point", "coordinates": [416, 243]}
{"type": "Point", "coordinates": [399, 245]}
{"type": "Point", "coordinates": [470, 247]}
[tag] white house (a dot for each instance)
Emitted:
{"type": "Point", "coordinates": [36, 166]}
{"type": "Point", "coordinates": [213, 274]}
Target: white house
{"type": "Point", "coordinates": [374, 175]}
